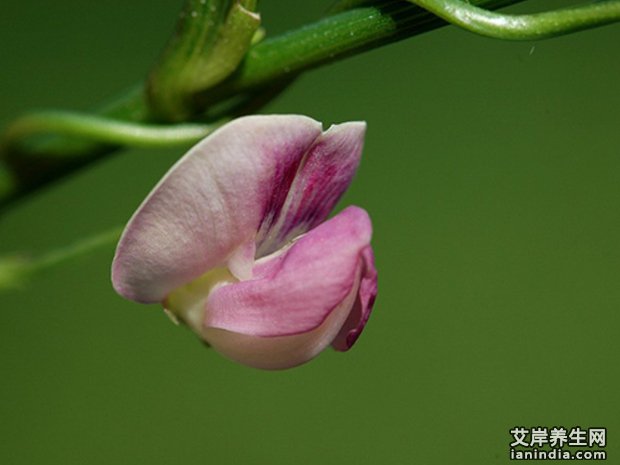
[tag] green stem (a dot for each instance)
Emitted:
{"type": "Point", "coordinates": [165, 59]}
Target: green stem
{"type": "Point", "coordinates": [73, 140]}
{"type": "Point", "coordinates": [76, 250]}
{"type": "Point", "coordinates": [331, 39]}
{"type": "Point", "coordinates": [270, 65]}
{"type": "Point", "coordinates": [523, 27]}
{"type": "Point", "coordinates": [211, 39]}
{"type": "Point", "coordinates": [104, 130]}
{"type": "Point", "coordinates": [16, 270]}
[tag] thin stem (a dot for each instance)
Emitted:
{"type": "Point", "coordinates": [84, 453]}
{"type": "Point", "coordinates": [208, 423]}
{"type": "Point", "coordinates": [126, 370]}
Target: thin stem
{"type": "Point", "coordinates": [105, 130]}
{"type": "Point", "coordinates": [76, 250]}
{"type": "Point", "coordinates": [16, 270]}
{"type": "Point", "coordinates": [523, 27]}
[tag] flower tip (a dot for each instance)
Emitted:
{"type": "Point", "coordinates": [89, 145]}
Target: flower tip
{"type": "Point", "coordinates": [355, 127]}
{"type": "Point", "coordinates": [124, 291]}
{"type": "Point", "coordinates": [126, 279]}
{"type": "Point", "coordinates": [350, 133]}
{"type": "Point", "coordinates": [364, 303]}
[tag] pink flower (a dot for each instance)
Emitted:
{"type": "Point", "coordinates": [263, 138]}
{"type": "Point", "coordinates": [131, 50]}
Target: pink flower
{"type": "Point", "coordinates": [234, 242]}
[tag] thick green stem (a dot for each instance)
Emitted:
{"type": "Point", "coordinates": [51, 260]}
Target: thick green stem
{"type": "Point", "coordinates": [333, 38]}
{"type": "Point", "coordinates": [211, 39]}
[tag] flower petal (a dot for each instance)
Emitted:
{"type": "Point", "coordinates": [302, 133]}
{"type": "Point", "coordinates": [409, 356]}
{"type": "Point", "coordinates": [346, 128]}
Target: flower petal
{"type": "Point", "coordinates": [358, 317]}
{"type": "Point", "coordinates": [306, 292]}
{"type": "Point", "coordinates": [210, 204]}
{"type": "Point", "coordinates": [323, 176]}
{"type": "Point", "coordinates": [279, 352]}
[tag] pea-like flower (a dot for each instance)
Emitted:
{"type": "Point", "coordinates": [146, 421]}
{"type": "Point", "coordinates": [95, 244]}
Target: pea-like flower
{"type": "Point", "coordinates": [234, 241]}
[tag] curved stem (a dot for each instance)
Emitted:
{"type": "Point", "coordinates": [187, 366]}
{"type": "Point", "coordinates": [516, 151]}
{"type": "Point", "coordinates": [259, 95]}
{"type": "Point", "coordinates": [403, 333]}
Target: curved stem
{"type": "Point", "coordinates": [105, 130]}
{"type": "Point", "coordinates": [523, 27]}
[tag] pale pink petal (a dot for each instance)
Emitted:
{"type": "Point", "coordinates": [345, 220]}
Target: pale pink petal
{"type": "Point", "coordinates": [210, 205]}
{"type": "Point", "coordinates": [280, 352]}
{"type": "Point", "coordinates": [295, 291]}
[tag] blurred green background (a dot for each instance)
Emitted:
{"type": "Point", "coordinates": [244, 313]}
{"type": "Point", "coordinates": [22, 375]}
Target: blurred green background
{"type": "Point", "coordinates": [491, 173]}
